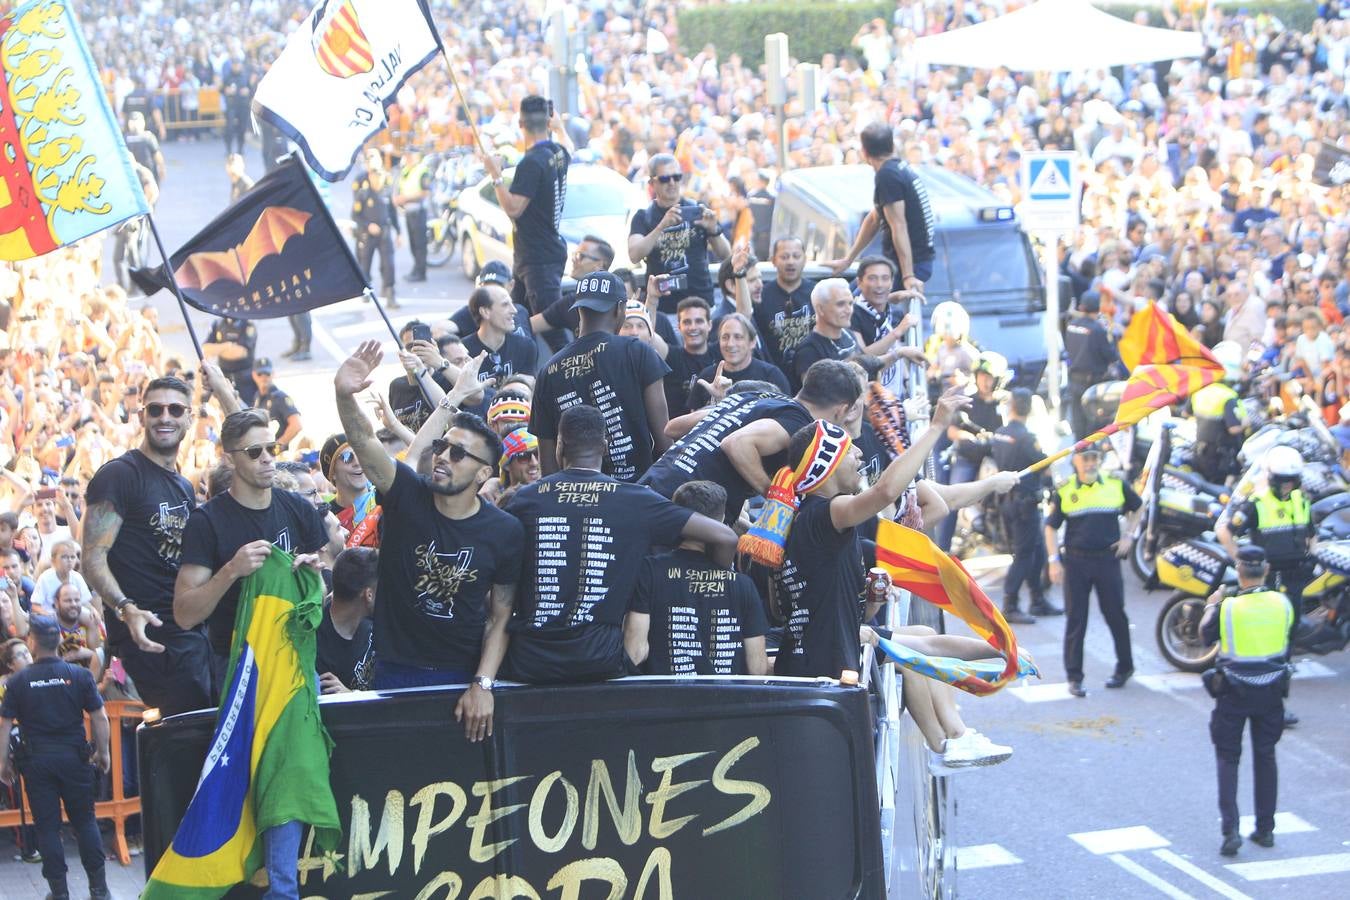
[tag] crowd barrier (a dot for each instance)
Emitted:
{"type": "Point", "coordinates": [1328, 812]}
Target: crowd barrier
{"type": "Point", "coordinates": [120, 807]}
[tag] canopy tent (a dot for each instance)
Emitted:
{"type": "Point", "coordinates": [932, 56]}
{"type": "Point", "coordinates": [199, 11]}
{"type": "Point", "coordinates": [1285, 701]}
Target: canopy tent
{"type": "Point", "coordinates": [1056, 36]}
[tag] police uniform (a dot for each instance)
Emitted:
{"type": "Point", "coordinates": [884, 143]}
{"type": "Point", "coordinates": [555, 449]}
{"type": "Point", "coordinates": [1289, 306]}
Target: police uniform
{"type": "Point", "coordinates": [1091, 355]}
{"type": "Point", "coordinates": [373, 205]}
{"type": "Point", "coordinates": [1253, 628]}
{"type": "Point", "coordinates": [49, 700]}
{"type": "Point", "coordinates": [1283, 528]}
{"type": "Point", "coordinates": [414, 180]}
{"type": "Point", "coordinates": [239, 371]}
{"type": "Point", "coordinates": [1090, 514]}
{"type": "Point", "coordinates": [1217, 409]}
{"type": "Point", "coordinates": [1015, 448]}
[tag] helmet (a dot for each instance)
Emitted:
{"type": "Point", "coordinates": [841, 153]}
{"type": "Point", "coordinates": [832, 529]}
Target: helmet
{"type": "Point", "coordinates": [1229, 354]}
{"type": "Point", "coordinates": [994, 365]}
{"type": "Point", "coordinates": [1284, 467]}
{"type": "Point", "coordinates": [950, 320]}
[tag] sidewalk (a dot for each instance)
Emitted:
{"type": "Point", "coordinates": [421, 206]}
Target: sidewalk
{"type": "Point", "coordinates": [23, 881]}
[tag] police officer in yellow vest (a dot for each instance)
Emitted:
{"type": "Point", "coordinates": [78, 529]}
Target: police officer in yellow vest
{"type": "Point", "coordinates": [1220, 419]}
{"type": "Point", "coordinates": [1279, 520]}
{"type": "Point", "coordinates": [1089, 506]}
{"type": "Point", "coordinates": [1253, 628]}
{"type": "Point", "coordinates": [414, 190]}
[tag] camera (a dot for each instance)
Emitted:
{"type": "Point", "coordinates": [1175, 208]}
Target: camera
{"type": "Point", "coordinates": [669, 284]}
{"type": "Point", "coordinates": [691, 214]}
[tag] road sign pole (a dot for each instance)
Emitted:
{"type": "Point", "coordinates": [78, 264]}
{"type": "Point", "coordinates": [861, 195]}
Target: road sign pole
{"type": "Point", "coordinates": [1050, 208]}
{"type": "Point", "coordinates": [1050, 265]}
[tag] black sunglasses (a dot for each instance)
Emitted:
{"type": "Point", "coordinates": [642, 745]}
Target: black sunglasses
{"type": "Point", "coordinates": [667, 179]}
{"type": "Point", "coordinates": [155, 410]}
{"type": "Point", "coordinates": [347, 455]}
{"type": "Point", "coordinates": [457, 452]}
{"type": "Point", "coordinates": [254, 451]}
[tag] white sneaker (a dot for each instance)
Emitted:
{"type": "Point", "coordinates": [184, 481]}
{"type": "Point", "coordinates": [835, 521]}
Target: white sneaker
{"type": "Point", "coordinates": [937, 768]}
{"type": "Point", "coordinates": [973, 749]}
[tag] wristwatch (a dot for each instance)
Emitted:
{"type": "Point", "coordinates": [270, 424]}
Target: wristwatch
{"type": "Point", "coordinates": [120, 609]}
{"type": "Point", "coordinates": [484, 682]}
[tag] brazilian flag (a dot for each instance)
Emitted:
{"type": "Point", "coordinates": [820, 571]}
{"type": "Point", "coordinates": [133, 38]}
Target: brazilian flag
{"type": "Point", "coordinates": [268, 762]}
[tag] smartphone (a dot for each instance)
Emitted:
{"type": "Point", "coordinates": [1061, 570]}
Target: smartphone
{"type": "Point", "coordinates": [421, 333]}
{"type": "Point", "coordinates": [48, 493]}
{"type": "Point", "coordinates": [691, 214]}
{"type": "Point", "coordinates": [668, 284]}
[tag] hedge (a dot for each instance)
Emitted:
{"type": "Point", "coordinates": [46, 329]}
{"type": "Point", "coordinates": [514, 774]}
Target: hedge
{"type": "Point", "coordinates": [813, 28]}
{"type": "Point", "coordinates": [1298, 16]}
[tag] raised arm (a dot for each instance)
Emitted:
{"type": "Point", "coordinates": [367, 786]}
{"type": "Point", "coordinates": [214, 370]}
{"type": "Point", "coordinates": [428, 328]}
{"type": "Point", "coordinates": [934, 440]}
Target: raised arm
{"type": "Point", "coordinates": [436, 424]}
{"type": "Point", "coordinates": [353, 377]}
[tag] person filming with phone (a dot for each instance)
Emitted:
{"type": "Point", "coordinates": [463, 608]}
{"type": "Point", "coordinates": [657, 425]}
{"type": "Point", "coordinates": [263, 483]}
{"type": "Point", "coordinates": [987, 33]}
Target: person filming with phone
{"type": "Point", "coordinates": [676, 237]}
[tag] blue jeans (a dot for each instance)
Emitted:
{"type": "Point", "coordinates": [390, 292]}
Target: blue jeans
{"type": "Point", "coordinates": [390, 675]}
{"type": "Point", "coordinates": [281, 850]}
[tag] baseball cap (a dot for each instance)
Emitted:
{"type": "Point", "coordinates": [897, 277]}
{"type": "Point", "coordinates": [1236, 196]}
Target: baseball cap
{"type": "Point", "coordinates": [600, 292]}
{"type": "Point", "coordinates": [1089, 450]}
{"type": "Point", "coordinates": [494, 272]}
{"type": "Point", "coordinates": [262, 365]}
{"type": "Point", "coordinates": [1091, 301]}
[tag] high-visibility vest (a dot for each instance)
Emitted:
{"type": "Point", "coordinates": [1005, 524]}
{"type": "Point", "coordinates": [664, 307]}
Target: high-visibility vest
{"type": "Point", "coordinates": [1105, 495]}
{"type": "Point", "coordinates": [1282, 525]}
{"type": "Point", "coordinates": [1254, 627]}
{"type": "Point", "coordinates": [1208, 404]}
{"type": "Point", "coordinates": [410, 182]}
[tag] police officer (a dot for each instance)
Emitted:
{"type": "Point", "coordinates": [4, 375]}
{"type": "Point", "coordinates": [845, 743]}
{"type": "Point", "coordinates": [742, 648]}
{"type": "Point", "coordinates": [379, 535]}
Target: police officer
{"type": "Point", "coordinates": [1220, 418]}
{"type": "Point", "coordinates": [49, 700]}
{"type": "Point", "coordinates": [1015, 448]}
{"type": "Point", "coordinates": [376, 222]}
{"type": "Point", "coordinates": [1089, 506]}
{"type": "Point", "coordinates": [1091, 355]}
{"type": "Point", "coordinates": [233, 342]}
{"type": "Point", "coordinates": [1253, 628]}
{"type": "Point", "coordinates": [1279, 520]}
{"type": "Point", "coordinates": [414, 187]}
{"type": "Point", "coordinates": [971, 436]}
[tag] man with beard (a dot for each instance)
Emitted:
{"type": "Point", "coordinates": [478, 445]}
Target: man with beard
{"type": "Point", "coordinates": [746, 435]}
{"type": "Point", "coordinates": [450, 562]}
{"type": "Point", "coordinates": [585, 537]}
{"type": "Point", "coordinates": [139, 504]}
{"type": "Point", "coordinates": [354, 503]}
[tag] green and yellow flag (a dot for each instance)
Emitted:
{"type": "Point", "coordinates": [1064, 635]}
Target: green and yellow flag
{"type": "Point", "coordinates": [268, 762]}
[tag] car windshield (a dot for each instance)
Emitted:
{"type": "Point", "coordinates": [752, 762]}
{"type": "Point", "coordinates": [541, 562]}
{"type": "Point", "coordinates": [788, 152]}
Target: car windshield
{"type": "Point", "coordinates": [592, 199]}
{"type": "Point", "coordinates": [984, 265]}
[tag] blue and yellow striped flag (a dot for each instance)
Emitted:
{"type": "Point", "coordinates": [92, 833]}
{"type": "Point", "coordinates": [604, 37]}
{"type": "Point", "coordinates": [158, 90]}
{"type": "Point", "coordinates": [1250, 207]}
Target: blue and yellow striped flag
{"type": "Point", "coordinates": [268, 762]}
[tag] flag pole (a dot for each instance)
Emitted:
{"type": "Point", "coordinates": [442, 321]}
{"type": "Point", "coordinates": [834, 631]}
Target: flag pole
{"type": "Point", "coordinates": [1090, 439]}
{"type": "Point", "coordinates": [463, 100]}
{"type": "Point", "coordinates": [177, 291]}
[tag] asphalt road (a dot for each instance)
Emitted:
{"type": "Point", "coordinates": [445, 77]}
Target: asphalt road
{"type": "Point", "coordinates": [1111, 796]}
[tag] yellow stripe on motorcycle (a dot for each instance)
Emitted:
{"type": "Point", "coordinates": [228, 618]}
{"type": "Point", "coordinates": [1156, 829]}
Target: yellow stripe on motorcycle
{"type": "Point", "coordinates": [1181, 577]}
{"type": "Point", "coordinates": [1323, 583]}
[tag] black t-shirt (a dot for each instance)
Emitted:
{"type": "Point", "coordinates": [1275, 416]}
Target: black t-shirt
{"type": "Point", "coordinates": [609, 372]}
{"type": "Point", "coordinates": [586, 535]}
{"type": "Point", "coordinates": [279, 407]}
{"type": "Point", "coordinates": [144, 147]}
{"type": "Point", "coordinates": [49, 699]}
{"type": "Point", "coordinates": [465, 325]}
{"type": "Point", "coordinates": [897, 181]}
{"type": "Point", "coordinates": [698, 455]}
{"type": "Point", "coordinates": [823, 578]}
{"type": "Point", "coordinates": [816, 346]}
{"type": "Point", "coordinates": [436, 576]}
{"type": "Point", "coordinates": [409, 403]}
{"type": "Point", "coordinates": [757, 370]}
{"type": "Point", "coordinates": [154, 505]}
{"type": "Point", "coordinates": [784, 320]}
{"type": "Point", "coordinates": [217, 529]}
{"type": "Point", "coordinates": [542, 177]}
{"type": "Point", "coordinates": [684, 367]}
{"type": "Point", "coordinates": [682, 249]}
{"type": "Point", "coordinates": [245, 334]}
{"type": "Point", "coordinates": [516, 356]}
{"type": "Point", "coordinates": [351, 660]}
{"type": "Point", "coordinates": [700, 615]}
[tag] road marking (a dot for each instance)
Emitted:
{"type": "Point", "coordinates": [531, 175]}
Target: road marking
{"type": "Point", "coordinates": [1040, 693]}
{"type": "Point", "coordinates": [1200, 875]}
{"type": "Point", "coordinates": [1297, 867]}
{"type": "Point", "coordinates": [1311, 668]}
{"type": "Point", "coordinates": [1148, 877]}
{"type": "Point", "coordinates": [325, 340]}
{"type": "Point", "coordinates": [1120, 840]}
{"type": "Point", "coordinates": [1285, 823]}
{"type": "Point", "coordinates": [984, 856]}
{"type": "Point", "coordinates": [1166, 682]}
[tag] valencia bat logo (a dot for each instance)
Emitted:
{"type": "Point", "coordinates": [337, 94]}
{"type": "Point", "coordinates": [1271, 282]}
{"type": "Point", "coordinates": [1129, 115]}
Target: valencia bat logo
{"type": "Point", "coordinates": [267, 237]}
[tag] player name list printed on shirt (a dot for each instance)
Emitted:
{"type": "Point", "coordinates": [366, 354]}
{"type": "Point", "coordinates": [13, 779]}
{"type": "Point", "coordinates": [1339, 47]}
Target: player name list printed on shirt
{"type": "Point", "coordinates": [340, 68]}
{"type": "Point", "coordinates": [1053, 191]}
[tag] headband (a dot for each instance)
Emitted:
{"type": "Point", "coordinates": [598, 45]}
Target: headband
{"type": "Point", "coordinates": [332, 460]}
{"type": "Point", "coordinates": [508, 409]}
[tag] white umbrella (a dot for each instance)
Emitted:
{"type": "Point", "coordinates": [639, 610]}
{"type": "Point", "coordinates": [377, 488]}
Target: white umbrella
{"type": "Point", "coordinates": [1056, 36]}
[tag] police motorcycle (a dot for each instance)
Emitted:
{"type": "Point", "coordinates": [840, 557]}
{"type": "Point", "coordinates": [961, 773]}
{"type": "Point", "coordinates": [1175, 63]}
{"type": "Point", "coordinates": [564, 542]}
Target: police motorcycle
{"type": "Point", "coordinates": [454, 172]}
{"type": "Point", "coordinates": [982, 527]}
{"type": "Point", "coordinates": [1197, 567]}
{"type": "Point", "coordinates": [1178, 504]}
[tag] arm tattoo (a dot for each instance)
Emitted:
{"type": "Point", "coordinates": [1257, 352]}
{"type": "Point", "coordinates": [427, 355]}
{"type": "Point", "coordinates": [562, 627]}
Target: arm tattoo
{"type": "Point", "coordinates": [101, 527]}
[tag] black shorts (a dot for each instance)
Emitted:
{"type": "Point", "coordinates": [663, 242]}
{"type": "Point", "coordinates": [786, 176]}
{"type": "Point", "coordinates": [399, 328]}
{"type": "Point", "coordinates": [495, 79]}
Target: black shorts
{"type": "Point", "coordinates": [538, 286]}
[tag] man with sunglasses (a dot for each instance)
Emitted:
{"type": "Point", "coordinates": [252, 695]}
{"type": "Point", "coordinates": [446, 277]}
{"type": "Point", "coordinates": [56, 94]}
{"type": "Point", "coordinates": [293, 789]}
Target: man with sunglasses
{"type": "Point", "coordinates": [138, 506]}
{"type": "Point", "coordinates": [354, 502]}
{"type": "Point", "coordinates": [676, 236]}
{"type": "Point", "coordinates": [586, 535]}
{"type": "Point", "coordinates": [231, 535]}
{"type": "Point", "coordinates": [449, 562]}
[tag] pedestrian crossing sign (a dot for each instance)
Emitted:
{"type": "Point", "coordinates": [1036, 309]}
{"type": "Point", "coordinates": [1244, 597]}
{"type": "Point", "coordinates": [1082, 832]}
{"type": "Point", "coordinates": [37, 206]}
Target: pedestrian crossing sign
{"type": "Point", "coordinates": [1050, 201]}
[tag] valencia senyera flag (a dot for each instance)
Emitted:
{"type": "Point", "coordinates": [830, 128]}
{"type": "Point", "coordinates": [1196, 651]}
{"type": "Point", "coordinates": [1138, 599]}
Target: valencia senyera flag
{"type": "Point", "coordinates": [1155, 338]}
{"type": "Point", "coordinates": [275, 252]}
{"type": "Point", "coordinates": [268, 761]}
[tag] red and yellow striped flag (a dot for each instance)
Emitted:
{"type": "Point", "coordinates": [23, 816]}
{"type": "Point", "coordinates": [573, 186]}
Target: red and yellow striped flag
{"type": "Point", "coordinates": [1154, 338]}
{"type": "Point", "coordinates": [917, 565]}
{"type": "Point", "coordinates": [341, 46]}
{"type": "Point", "coordinates": [1150, 388]}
